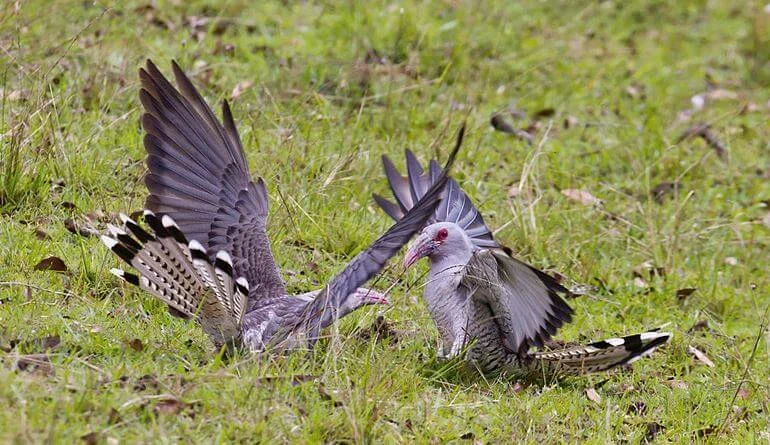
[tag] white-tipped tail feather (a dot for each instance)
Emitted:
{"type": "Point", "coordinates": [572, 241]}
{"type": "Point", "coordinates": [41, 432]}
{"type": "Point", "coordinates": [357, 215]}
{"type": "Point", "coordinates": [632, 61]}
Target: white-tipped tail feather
{"type": "Point", "coordinates": [602, 355]}
{"type": "Point", "coordinates": [180, 274]}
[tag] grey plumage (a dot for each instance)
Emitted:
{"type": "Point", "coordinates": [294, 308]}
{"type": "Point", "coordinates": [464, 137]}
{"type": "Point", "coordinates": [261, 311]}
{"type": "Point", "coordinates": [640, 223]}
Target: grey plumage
{"type": "Point", "coordinates": [456, 208]}
{"type": "Point", "coordinates": [486, 303]}
{"type": "Point", "coordinates": [213, 261]}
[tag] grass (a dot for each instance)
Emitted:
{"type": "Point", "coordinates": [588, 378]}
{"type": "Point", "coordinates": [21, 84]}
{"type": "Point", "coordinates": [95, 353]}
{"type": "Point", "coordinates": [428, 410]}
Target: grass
{"type": "Point", "coordinates": [334, 85]}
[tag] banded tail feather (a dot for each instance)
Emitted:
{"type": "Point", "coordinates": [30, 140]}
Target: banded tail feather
{"type": "Point", "coordinates": [602, 355]}
{"type": "Point", "coordinates": [181, 274]}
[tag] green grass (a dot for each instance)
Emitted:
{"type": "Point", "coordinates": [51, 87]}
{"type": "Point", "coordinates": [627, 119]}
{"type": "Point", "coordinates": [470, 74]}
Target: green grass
{"type": "Point", "coordinates": [314, 124]}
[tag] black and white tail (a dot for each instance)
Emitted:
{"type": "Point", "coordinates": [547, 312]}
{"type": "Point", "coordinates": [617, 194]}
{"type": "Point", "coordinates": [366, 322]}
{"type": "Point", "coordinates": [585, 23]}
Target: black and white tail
{"type": "Point", "coordinates": [181, 274]}
{"type": "Point", "coordinates": [602, 355]}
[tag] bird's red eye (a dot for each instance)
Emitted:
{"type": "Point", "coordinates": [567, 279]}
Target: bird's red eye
{"type": "Point", "coordinates": [442, 234]}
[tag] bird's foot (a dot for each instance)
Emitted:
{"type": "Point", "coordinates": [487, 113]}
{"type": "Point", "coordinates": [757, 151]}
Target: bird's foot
{"type": "Point", "coordinates": [369, 296]}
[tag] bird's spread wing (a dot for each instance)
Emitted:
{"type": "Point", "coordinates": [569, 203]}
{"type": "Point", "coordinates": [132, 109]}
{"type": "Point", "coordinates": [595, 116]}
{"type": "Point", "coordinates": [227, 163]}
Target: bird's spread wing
{"type": "Point", "coordinates": [198, 175]}
{"type": "Point", "coordinates": [456, 207]}
{"type": "Point", "coordinates": [525, 301]}
{"type": "Point", "coordinates": [369, 262]}
{"type": "Point", "coordinates": [180, 274]}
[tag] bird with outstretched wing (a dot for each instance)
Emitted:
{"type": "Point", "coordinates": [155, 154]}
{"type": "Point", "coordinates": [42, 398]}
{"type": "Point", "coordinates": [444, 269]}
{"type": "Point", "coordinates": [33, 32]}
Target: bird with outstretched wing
{"type": "Point", "coordinates": [207, 254]}
{"type": "Point", "coordinates": [487, 305]}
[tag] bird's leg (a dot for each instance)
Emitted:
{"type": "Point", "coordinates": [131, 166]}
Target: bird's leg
{"type": "Point", "coordinates": [457, 346]}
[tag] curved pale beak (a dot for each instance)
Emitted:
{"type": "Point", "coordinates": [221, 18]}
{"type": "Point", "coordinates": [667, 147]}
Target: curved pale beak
{"type": "Point", "coordinates": [422, 246]}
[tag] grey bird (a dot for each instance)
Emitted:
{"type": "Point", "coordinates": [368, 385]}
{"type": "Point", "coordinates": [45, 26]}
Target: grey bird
{"type": "Point", "coordinates": [207, 254]}
{"type": "Point", "coordinates": [485, 303]}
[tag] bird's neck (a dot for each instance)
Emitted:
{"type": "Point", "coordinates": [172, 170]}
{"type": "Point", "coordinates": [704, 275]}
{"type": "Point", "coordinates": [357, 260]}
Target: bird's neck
{"type": "Point", "coordinates": [445, 274]}
{"type": "Point", "coordinates": [445, 302]}
{"type": "Point", "coordinates": [444, 265]}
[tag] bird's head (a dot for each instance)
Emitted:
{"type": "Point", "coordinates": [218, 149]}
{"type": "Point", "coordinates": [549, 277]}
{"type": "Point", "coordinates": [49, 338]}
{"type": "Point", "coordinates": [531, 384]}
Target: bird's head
{"type": "Point", "coordinates": [437, 240]}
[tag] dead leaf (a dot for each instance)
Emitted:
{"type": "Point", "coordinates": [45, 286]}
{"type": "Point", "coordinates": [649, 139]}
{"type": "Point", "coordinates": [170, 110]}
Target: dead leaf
{"type": "Point", "coordinates": [41, 235]}
{"type": "Point", "coordinates": [682, 294]}
{"type": "Point", "coordinates": [240, 88]}
{"type": "Point", "coordinates": [721, 94]}
{"type": "Point", "coordinates": [545, 112]}
{"type": "Point", "coordinates": [216, 25]}
{"type": "Point", "coordinates": [53, 263]}
{"type": "Point", "coordinates": [653, 429]}
{"type": "Point", "coordinates": [48, 343]}
{"type": "Point", "coordinates": [148, 12]}
{"type": "Point", "coordinates": [113, 417]}
{"type": "Point", "coordinates": [582, 197]}
{"type": "Point", "coordinates": [499, 123]}
{"type": "Point", "coordinates": [663, 190]}
{"type": "Point", "coordinates": [637, 408]}
{"type": "Point", "coordinates": [95, 216]}
{"type": "Point", "coordinates": [514, 191]}
{"type": "Point", "coordinates": [295, 380]}
{"type": "Point", "coordinates": [700, 325]}
{"type": "Point", "coordinates": [136, 344]}
{"type": "Point", "coordinates": [649, 270]}
{"type": "Point", "coordinates": [570, 122]}
{"type": "Point", "coordinates": [593, 395]}
{"type": "Point", "coordinates": [677, 384]}
{"type": "Point", "coordinates": [227, 49]}
{"type": "Point", "coordinates": [147, 381]}
{"type": "Point", "coordinates": [35, 363]}
{"type": "Point", "coordinates": [704, 131]}
{"type": "Point", "coordinates": [173, 407]}
{"type": "Point", "coordinates": [83, 230]}
{"type": "Point", "coordinates": [91, 438]}
{"type": "Point", "coordinates": [766, 220]}
{"type": "Point", "coordinates": [700, 356]}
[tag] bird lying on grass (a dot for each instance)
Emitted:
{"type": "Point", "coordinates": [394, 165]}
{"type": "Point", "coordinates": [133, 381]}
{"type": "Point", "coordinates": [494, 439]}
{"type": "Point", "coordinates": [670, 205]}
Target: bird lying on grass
{"type": "Point", "coordinates": [485, 303]}
{"type": "Point", "coordinates": [208, 256]}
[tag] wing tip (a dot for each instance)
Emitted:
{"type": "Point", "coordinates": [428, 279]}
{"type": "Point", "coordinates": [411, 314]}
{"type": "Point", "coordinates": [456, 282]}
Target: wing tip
{"type": "Point", "coordinates": [109, 241]}
{"type": "Point", "coordinates": [224, 256]}
{"type": "Point", "coordinates": [197, 251]}
{"type": "Point", "coordinates": [243, 285]}
{"type": "Point", "coordinates": [125, 276]}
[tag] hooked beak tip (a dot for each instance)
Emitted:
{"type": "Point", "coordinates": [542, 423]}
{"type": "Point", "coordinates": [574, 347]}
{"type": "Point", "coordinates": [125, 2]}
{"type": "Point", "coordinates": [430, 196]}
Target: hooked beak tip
{"type": "Point", "coordinates": [412, 255]}
{"type": "Point", "coordinates": [421, 247]}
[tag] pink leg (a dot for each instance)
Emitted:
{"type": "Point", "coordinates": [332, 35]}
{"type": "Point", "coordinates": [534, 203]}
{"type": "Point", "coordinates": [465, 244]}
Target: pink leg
{"type": "Point", "coordinates": [370, 296]}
